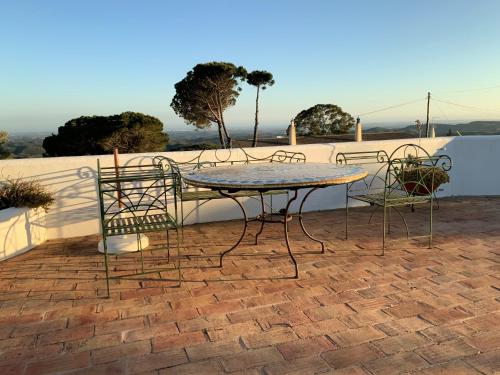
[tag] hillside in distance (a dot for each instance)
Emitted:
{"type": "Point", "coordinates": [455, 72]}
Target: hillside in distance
{"type": "Point", "coordinates": [469, 128]}
{"type": "Point", "coordinates": [193, 139]}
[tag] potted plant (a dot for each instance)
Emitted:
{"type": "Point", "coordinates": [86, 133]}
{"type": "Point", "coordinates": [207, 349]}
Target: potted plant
{"type": "Point", "coordinates": [23, 204]}
{"type": "Point", "coordinates": [418, 178]}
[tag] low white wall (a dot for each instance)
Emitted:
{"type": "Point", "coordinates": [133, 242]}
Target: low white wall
{"type": "Point", "coordinates": [21, 229]}
{"type": "Point", "coordinates": [72, 179]}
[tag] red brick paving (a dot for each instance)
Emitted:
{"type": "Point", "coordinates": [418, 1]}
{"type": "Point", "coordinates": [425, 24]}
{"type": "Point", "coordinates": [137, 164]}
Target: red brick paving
{"type": "Point", "coordinates": [351, 311]}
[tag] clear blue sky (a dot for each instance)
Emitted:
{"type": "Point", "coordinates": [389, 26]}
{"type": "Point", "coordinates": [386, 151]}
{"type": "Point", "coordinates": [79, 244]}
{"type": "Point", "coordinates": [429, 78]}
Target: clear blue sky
{"type": "Point", "coordinates": [64, 59]}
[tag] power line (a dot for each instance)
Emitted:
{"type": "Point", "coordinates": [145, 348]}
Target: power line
{"type": "Point", "coordinates": [467, 106]}
{"type": "Point", "coordinates": [392, 106]}
{"type": "Point", "coordinates": [441, 110]}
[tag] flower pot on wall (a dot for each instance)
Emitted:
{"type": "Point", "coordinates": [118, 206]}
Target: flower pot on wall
{"type": "Point", "coordinates": [21, 229]}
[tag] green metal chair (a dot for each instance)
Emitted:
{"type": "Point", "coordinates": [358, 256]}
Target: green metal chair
{"type": "Point", "coordinates": [134, 200]}
{"type": "Point", "coordinates": [411, 177]}
{"type": "Point", "coordinates": [375, 162]}
{"type": "Point", "coordinates": [187, 193]}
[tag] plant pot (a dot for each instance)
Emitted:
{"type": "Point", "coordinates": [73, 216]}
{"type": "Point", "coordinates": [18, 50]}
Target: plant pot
{"type": "Point", "coordinates": [21, 229]}
{"type": "Point", "coordinates": [422, 180]}
{"type": "Point", "coordinates": [412, 188]}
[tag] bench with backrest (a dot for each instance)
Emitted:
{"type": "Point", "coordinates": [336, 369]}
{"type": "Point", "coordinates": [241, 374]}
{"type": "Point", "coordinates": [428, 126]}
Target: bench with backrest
{"type": "Point", "coordinates": [187, 193]}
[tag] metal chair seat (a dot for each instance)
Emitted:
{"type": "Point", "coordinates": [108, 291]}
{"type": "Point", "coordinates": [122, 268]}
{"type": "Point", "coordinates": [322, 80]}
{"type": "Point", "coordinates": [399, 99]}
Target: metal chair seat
{"type": "Point", "coordinates": [187, 196]}
{"type": "Point", "coordinates": [139, 224]}
{"type": "Point", "coordinates": [394, 198]}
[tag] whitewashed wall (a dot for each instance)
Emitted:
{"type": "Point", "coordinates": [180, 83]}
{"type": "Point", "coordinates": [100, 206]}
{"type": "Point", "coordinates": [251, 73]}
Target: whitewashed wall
{"type": "Point", "coordinates": [21, 229]}
{"type": "Point", "coordinates": [72, 179]}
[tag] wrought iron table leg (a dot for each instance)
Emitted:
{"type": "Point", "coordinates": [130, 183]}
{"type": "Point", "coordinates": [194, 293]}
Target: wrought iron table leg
{"type": "Point", "coordinates": [244, 229]}
{"type": "Point", "coordinates": [286, 214]}
{"type": "Point", "coordinates": [301, 221]}
{"type": "Point", "coordinates": [285, 225]}
{"type": "Point", "coordinates": [262, 217]}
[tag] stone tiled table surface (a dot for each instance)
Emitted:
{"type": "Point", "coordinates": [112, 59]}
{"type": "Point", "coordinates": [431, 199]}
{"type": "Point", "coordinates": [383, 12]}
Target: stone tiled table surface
{"type": "Point", "coordinates": [275, 176]}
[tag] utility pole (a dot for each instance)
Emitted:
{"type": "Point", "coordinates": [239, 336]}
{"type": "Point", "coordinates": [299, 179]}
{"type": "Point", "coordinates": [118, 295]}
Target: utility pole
{"type": "Point", "coordinates": [427, 122]}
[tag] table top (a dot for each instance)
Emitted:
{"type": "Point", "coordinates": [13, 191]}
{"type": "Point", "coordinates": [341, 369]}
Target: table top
{"type": "Point", "coordinates": [274, 176]}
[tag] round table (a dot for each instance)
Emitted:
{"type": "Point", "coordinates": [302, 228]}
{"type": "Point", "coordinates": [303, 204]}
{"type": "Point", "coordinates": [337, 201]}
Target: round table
{"type": "Point", "coordinates": [274, 176]}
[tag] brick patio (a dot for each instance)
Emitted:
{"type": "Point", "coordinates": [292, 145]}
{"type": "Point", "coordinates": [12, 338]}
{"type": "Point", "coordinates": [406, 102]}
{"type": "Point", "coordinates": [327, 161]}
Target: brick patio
{"type": "Point", "coordinates": [351, 311]}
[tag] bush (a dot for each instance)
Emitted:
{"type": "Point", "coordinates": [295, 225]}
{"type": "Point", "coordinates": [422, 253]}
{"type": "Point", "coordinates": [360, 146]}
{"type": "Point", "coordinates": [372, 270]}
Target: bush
{"type": "Point", "coordinates": [27, 193]}
{"type": "Point", "coordinates": [97, 135]}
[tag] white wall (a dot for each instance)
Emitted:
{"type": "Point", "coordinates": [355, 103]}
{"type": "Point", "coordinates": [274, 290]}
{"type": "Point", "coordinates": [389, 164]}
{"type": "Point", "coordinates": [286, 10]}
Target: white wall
{"type": "Point", "coordinates": [21, 229]}
{"type": "Point", "coordinates": [72, 179]}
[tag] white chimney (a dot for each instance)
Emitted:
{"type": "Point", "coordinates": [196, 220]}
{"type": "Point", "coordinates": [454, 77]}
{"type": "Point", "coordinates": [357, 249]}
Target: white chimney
{"type": "Point", "coordinates": [292, 135]}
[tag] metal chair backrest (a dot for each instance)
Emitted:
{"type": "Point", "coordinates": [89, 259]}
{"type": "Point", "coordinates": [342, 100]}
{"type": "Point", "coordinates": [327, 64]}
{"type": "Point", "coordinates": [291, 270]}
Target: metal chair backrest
{"type": "Point", "coordinates": [374, 161]}
{"type": "Point", "coordinates": [409, 150]}
{"type": "Point", "coordinates": [280, 156]}
{"type": "Point", "coordinates": [133, 192]}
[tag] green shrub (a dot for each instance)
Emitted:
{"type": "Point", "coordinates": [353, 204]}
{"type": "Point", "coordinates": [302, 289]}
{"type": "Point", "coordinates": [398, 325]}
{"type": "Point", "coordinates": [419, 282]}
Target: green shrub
{"type": "Point", "coordinates": [24, 193]}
